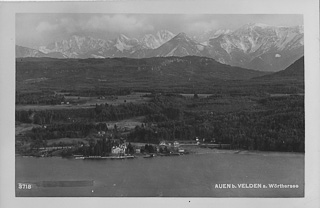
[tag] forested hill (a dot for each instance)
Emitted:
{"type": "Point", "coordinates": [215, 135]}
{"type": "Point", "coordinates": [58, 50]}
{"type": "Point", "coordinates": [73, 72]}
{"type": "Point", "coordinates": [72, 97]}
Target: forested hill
{"type": "Point", "coordinates": [295, 70]}
{"type": "Point", "coordinates": [159, 72]}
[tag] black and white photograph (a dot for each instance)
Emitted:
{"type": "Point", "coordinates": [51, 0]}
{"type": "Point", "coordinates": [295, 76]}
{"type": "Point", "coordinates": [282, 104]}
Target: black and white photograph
{"type": "Point", "coordinates": [174, 104]}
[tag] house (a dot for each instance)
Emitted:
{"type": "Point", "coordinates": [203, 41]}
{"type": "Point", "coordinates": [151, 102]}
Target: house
{"type": "Point", "coordinates": [181, 150]}
{"type": "Point", "coordinates": [169, 144]}
{"type": "Point", "coordinates": [119, 150]}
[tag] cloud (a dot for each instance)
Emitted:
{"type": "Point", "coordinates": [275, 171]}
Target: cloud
{"type": "Point", "coordinates": [69, 25]}
{"type": "Point", "coordinates": [41, 29]}
{"type": "Point", "coordinates": [200, 26]}
{"type": "Point", "coordinates": [46, 27]}
{"type": "Point", "coordinates": [117, 23]}
{"type": "Point", "coordinates": [62, 25]}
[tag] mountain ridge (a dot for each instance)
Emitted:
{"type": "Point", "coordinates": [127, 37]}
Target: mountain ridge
{"type": "Point", "coordinates": [188, 69]}
{"type": "Point", "coordinates": [253, 46]}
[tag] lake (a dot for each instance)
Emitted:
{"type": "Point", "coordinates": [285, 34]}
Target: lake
{"type": "Point", "coordinates": [194, 175]}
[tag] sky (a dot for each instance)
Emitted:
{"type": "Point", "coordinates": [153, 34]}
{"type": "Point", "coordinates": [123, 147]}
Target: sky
{"type": "Point", "coordinates": [36, 29]}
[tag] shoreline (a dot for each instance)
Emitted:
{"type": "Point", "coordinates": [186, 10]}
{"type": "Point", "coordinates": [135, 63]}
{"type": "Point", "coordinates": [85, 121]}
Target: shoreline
{"type": "Point", "coordinates": [199, 150]}
{"type": "Point", "coordinates": [202, 151]}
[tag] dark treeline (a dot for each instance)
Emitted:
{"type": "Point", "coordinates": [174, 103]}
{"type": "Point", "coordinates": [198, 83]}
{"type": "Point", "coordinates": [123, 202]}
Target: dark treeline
{"type": "Point", "coordinates": [277, 126]}
{"type": "Point", "coordinates": [99, 113]}
{"type": "Point", "coordinates": [71, 130]}
{"type": "Point", "coordinates": [273, 130]}
{"type": "Point", "coordinates": [168, 130]}
{"type": "Point", "coordinates": [45, 98]}
{"type": "Point", "coordinates": [113, 113]}
{"type": "Point", "coordinates": [97, 91]}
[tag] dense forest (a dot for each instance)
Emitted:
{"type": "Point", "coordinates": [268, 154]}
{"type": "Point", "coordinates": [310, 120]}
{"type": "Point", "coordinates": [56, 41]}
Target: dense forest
{"type": "Point", "coordinates": [266, 123]}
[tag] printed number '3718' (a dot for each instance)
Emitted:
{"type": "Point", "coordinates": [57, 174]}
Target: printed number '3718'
{"type": "Point", "coordinates": [24, 186]}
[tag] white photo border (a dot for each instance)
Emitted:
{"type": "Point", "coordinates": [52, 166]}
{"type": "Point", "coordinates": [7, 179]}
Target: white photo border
{"type": "Point", "coordinates": [310, 11]}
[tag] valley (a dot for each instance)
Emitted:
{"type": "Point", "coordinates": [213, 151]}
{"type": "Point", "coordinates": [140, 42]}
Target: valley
{"type": "Point", "coordinates": [152, 100]}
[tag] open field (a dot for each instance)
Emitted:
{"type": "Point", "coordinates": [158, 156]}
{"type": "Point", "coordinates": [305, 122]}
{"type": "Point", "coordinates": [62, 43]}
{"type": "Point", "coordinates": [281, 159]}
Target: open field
{"type": "Point", "coordinates": [78, 102]}
{"type": "Point", "coordinates": [134, 97]}
{"type": "Point", "coordinates": [127, 124]}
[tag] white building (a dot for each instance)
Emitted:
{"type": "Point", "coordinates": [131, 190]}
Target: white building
{"type": "Point", "coordinates": [119, 150]}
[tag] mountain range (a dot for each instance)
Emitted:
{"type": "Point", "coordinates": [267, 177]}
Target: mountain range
{"type": "Point", "coordinates": [253, 46]}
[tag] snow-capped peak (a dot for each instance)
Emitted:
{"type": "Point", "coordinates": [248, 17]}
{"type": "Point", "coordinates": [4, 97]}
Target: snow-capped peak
{"type": "Point", "coordinates": [261, 25]}
{"type": "Point", "coordinates": [238, 47]}
{"type": "Point", "coordinates": [150, 41]}
{"type": "Point", "coordinates": [164, 36]}
{"type": "Point", "coordinates": [221, 32]}
{"type": "Point", "coordinates": [181, 36]}
{"type": "Point", "coordinates": [155, 41]}
{"type": "Point", "coordinates": [164, 33]}
{"type": "Point", "coordinates": [125, 43]}
{"type": "Point", "coordinates": [122, 37]}
{"type": "Point", "coordinates": [254, 26]}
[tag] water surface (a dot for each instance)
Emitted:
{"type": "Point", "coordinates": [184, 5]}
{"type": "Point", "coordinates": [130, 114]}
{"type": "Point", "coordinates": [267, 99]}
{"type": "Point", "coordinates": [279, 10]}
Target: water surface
{"type": "Point", "coordinates": [195, 175]}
